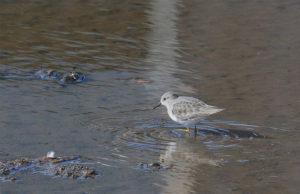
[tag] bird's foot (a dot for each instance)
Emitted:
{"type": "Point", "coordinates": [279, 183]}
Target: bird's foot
{"type": "Point", "coordinates": [185, 130]}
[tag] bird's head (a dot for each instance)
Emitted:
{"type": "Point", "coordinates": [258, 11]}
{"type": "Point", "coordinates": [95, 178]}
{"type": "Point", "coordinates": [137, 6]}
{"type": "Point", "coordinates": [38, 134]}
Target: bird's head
{"type": "Point", "coordinates": [166, 98]}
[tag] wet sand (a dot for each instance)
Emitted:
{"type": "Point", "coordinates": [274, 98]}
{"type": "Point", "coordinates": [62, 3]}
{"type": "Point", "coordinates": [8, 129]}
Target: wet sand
{"type": "Point", "coordinates": [241, 56]}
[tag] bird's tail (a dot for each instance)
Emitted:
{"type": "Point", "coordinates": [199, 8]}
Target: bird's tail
{"type": "Point", "coordinates": [213, 109]}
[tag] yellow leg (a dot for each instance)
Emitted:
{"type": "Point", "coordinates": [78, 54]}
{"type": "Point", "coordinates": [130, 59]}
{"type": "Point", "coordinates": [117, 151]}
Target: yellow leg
{"type": "Point", "coordinates": [187, 130]}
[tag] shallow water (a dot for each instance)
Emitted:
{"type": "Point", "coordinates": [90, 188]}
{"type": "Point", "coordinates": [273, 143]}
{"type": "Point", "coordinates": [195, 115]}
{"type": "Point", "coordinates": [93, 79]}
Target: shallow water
{"type": "Point", "coordinates": [241, 56]}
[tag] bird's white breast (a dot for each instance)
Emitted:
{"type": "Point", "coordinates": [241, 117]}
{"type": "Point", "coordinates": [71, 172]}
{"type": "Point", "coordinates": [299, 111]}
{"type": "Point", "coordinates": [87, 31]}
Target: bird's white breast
{"type": "Point", "coordinates": [172, 116]}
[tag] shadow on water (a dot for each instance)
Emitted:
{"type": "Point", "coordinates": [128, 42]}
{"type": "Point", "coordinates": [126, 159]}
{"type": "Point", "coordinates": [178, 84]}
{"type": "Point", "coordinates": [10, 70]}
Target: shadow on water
{"type": "Point", "coordinates": [233, 133]}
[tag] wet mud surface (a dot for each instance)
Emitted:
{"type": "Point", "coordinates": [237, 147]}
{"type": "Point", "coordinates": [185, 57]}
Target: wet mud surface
{"type": "Point", "coordinates": [48, 165]}
{"type": "Point", "coordinates": [238, 55]}
{"type": "Point", "coordinates": [44, 74]}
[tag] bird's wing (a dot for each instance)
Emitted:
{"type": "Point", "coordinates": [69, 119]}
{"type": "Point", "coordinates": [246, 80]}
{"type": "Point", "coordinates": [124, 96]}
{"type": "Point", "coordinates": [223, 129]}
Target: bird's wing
{"type": "Point", "coordinates": [192, 109]}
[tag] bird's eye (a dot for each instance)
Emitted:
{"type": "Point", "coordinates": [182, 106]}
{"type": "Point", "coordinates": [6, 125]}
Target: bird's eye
{"type": "Point", "coordinates": [164, 98]}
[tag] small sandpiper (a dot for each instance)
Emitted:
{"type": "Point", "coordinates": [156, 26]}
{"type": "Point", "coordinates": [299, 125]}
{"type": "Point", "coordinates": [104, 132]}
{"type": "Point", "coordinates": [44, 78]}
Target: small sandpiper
{"type": "Point", "coordinates": [185, 110]}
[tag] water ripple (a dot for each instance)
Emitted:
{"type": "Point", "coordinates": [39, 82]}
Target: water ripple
{"type": "Point", "coordinates": [151, 137]}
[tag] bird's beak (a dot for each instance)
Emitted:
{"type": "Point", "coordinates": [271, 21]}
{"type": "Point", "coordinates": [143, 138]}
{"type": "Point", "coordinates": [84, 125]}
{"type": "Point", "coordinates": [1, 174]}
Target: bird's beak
{"type": "Point", "coordinates": [157, 106]}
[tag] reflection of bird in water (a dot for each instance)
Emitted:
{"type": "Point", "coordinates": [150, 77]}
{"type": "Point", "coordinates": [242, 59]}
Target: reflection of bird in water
{"type": "Point", "coordinates": [186, 151]}
{"type": "Point", "coordinates": [187, 111]}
